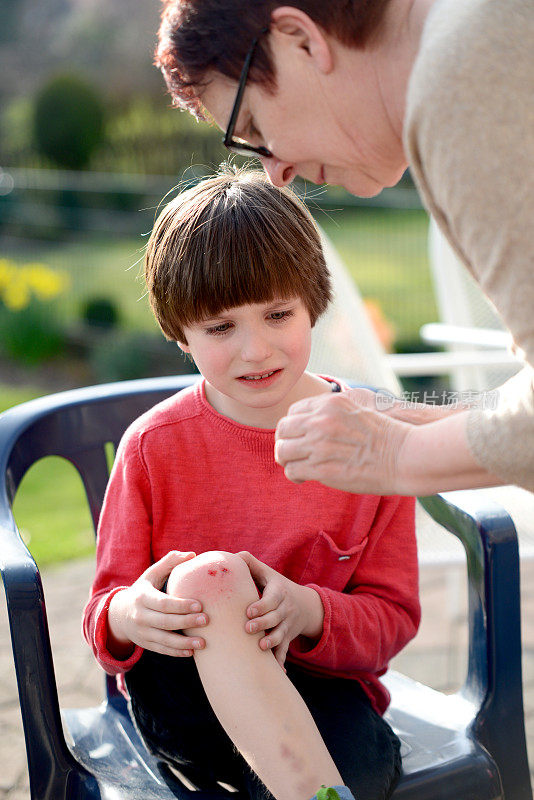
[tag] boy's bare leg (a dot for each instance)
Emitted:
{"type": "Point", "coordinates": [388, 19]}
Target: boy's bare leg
{"type": "Point", "coordinates": [257, 705]}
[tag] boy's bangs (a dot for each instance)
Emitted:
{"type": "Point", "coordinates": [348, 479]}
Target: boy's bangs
{"type": "Point", "coordinates": [245, 260]}
{"type": "Point", "coordinates": [230, 241]}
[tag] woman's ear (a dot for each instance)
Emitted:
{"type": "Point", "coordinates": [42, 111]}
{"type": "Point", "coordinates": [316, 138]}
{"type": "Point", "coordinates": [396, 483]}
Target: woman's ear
{"type": "Point", "coordinates": [293, 27]}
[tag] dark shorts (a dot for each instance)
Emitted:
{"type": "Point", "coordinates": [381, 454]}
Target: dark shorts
{"type": "Point", "coordinates": [174, 717]}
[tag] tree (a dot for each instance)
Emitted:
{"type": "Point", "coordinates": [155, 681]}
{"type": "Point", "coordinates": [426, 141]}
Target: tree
{"type": "Point", "coordinates": [68, 121]}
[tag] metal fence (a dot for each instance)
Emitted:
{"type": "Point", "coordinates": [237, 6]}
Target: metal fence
{"type": "Point", "coordinates": [93, 226]}
{"type": "Point", "coordinates": [104, 202]}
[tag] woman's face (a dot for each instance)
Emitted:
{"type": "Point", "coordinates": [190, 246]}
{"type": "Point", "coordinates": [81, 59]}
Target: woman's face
{"type": "Point", "coordinates": [321, 126]}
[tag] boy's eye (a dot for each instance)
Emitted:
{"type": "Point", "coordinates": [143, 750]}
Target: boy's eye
{"type": "Point", "coordinates": [278, 316]}
{"type": "Point", "coordinates": [218, 330]}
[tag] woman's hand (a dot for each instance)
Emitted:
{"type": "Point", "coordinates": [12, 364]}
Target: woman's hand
{"type": "Point", "coordinates": [367, 442]}
{"type": "Point", "coordinates": [285, 610]}
{"type": "Point", "coordinates": [344, 441]}
{"type": "Point", "coordinates": [144, 615]}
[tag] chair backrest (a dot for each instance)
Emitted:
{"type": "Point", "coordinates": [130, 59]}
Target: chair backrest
{"type": "Point", "coordinates": [461, 302]}
{"type": "Point", "coordinates": [76, 425]}
{"type": "Point", "coordinates": [344, 342]}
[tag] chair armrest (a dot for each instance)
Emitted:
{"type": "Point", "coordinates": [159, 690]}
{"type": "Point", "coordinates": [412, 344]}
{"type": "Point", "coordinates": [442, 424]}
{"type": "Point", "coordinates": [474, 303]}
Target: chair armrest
{"type": "Point", "coordinates": [494, 677]}
{"type": "Point", "coordinates": [45, 743]}
{"type": "Point", "coordinates": [417, 364]}
{"type": "Point", "coordinates": [487, 338]}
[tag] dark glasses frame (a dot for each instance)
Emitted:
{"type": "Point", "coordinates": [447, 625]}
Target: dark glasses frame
{"type": "Point", "coordinates": [235, 145]}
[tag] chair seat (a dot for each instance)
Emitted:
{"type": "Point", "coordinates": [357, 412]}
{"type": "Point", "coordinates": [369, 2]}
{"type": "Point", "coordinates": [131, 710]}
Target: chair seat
{"type": "Point", "coordinates": [106, 743]}
{"type": "Point", "coordinates": [432, 727]}
{"type": "Point", "coordinates": [440, 759]}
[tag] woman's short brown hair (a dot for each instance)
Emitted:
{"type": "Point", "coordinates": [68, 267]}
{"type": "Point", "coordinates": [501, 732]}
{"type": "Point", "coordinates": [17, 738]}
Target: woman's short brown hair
{"type": "Point", "coordinates": [232, 240]}
{"type": "Point", "coordinates": [200, 36]}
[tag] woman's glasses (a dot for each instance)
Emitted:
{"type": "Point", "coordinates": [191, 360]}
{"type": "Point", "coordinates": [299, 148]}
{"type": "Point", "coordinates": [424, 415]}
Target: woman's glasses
{"type": "Point", "coordinates": [237, 145]}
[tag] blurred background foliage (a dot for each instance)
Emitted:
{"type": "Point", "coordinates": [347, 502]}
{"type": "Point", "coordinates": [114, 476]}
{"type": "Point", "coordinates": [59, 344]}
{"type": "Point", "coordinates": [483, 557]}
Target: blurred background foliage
{"type": "Point", "coordinates": [89, 147]}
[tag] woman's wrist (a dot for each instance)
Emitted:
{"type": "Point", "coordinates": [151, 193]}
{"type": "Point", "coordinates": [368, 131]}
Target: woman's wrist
{"type": "Point", "coordinates": [436, 457]}
{"type": "Point", "coordinates": [421, 413]}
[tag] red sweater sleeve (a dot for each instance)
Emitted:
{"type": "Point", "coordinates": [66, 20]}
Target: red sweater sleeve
{"type": "Point", "coordinates": [123, 548]}
{"type": "Point", "coordinates": [379, 612]}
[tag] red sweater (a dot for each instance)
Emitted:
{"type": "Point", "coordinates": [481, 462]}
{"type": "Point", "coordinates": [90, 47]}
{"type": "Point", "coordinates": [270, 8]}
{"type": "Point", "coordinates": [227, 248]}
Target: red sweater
{"type": "Point", "coordinates": [187, 478]}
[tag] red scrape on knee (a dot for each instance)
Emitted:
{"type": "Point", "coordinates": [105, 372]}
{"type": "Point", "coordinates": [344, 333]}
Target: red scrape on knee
{"type": "Point", "coordinates": [214, 571]}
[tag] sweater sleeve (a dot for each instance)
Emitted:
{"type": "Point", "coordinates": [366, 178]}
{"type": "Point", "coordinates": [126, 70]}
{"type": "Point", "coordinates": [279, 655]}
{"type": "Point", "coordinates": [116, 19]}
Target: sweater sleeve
{"type": "Point", "coordinates": [121, 557]}
{"type": "Point", "coordinates": [501, 438]}
{"type": "Point", "coordinates": [469, 135]}
{"type": "Point", "coordinates": [379, 612]}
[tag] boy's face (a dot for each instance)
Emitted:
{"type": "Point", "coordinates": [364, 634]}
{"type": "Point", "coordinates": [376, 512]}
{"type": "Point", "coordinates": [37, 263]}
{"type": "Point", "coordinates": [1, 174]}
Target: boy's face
{"type": "Point", "coordinates": [252, 358]}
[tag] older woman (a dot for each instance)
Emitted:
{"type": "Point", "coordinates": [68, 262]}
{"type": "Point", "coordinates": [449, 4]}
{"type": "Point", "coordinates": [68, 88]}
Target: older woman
{"type": "Point", "coordinates": [351, 94]}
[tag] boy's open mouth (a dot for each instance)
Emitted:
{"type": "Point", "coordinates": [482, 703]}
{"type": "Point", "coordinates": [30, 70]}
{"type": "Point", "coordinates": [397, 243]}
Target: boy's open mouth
{"type": "Point", "coordinates": [257, 377]}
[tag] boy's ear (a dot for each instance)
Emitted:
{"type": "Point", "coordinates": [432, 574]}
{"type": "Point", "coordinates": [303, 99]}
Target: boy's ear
{"type": "Point", "coordinates": [295, 27]}
{"type": "Point", "coordinates": [184, 347]}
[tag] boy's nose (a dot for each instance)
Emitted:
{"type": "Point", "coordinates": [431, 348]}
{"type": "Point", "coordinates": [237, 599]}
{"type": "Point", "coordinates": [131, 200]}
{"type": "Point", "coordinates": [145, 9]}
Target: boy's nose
{"type": "Point", "coordinates": [255, 348]}
{"type": "Point", "coordinates": [280, 173]}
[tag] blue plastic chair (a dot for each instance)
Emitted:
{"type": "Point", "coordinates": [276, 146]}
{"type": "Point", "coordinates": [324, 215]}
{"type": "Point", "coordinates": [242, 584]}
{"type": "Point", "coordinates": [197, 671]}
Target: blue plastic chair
{"type": "Point", "coordinates": [467, 746]}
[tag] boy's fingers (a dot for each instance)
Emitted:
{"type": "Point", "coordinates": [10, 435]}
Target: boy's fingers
{"type": "Point", "coordinates": [157, 601]}
{"type": "Point", "coordinates": [259, 571]}
{"type": "Point", "coordinates": [176, 622]}
{"type": "Point", "coordinates": [175, 642]}
{"type": "Point", "coordinates": [169, 651]}
{"type": "Point", "coordinates": [157, 573]}
{"type": "Point", "coordinates": [274, 638]}
{"type": "Point", "coordinates": [271, 599]}
{"type": "Point", "coordinates": [247, 557]}
{"type": "Point", "coordinates": [260, 607]}
{"type": "Point", "coordinates": [265, 622]}
{"type": "Point", "coordinates": [280, 654]}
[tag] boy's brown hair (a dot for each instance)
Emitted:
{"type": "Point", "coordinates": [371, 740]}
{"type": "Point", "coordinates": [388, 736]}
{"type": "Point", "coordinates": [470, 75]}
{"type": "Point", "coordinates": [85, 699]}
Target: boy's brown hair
{"type": "Point", "coordinates": [232, 240]}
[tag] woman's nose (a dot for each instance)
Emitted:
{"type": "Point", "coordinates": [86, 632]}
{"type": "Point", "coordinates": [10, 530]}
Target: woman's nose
{"type": "Point", "coordinates": [280, 173]}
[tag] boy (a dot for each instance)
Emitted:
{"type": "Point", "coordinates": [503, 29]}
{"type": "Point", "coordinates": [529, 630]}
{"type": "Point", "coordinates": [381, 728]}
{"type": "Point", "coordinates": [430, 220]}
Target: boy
{"type": "Point", "coordinates": [236, 275]}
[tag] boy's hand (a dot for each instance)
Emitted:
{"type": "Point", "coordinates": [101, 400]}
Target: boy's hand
{"type": "Point", "coordinates": [146, 616]}
{"type": "Point", "coordinates": [286, 609]}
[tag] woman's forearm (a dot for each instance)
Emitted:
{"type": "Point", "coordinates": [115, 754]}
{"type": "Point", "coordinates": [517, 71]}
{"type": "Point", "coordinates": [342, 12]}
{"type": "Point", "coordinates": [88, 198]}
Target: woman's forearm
{"type": "Point", "coordinates": [422, 413]}
{"type": "Point", "coordinates": [348, 442]}
{"type": "Point", "coordinates": [436, 457]}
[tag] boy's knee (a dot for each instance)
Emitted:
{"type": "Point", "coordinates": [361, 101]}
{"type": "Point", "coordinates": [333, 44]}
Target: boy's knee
{"type": "Point", "coordinates": [212, 576]}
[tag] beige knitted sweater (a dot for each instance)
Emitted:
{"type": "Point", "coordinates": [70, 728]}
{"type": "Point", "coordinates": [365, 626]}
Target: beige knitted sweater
{"type": "Point", "coordinates": [469, 136]}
